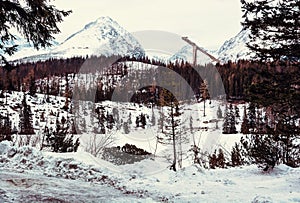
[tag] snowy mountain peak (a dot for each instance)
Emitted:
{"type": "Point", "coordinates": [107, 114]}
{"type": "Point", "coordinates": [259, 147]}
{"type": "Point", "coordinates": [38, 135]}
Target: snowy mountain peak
{"type": "Point", "coordinates": [104, 19]}
{"type": "Point", "coordinates": [103, 36]}
{"type": "Point", "coordinates": [235, 48]}
{"type": "Point", "coordinates": [101, 22]}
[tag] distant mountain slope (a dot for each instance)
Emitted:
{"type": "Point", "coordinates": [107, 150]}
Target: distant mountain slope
{"type": "Point", "coordinates": [101, 37]}
{"type": "Point", "coordinates": [235, 48]}
{"type": "Point", "coordinates": [186, 54]}
{"type": "Point", "coordinates": [24, 48]}
{"type": "Point", "coordinates": [104, 36]}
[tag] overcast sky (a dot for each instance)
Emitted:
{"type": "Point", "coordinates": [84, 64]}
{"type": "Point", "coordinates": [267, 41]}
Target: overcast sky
{"type": "Point", "coordinates": [207, 22]}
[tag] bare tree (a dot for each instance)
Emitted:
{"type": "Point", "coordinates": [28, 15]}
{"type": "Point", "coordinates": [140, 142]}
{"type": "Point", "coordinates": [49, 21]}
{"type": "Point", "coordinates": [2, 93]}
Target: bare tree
{"type": "Point", "coordinates": [173, 134]}
{"type": "Point", "coordinates": [98, 142]}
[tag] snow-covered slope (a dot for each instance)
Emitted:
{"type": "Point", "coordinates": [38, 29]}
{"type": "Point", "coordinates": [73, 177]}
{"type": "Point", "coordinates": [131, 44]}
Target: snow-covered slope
{"type": "Point", "coordinates": [104, 36]}
{"type": "Point", "coordinates": [101, 37]}
{"type": "Point", "coordinates": [29, 175]}
{"type": "Point", "coordinates": [24, 48]}
{"type": "Point", "coordinates": [235, 48]}
{"type": "Point", "coordinates": [43, 176]}
{"type": "Point", "coordinates": [186, 54]}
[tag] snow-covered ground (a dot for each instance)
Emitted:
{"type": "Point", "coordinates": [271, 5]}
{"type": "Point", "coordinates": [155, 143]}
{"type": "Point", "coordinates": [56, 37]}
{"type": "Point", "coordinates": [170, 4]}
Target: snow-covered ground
{"type": "Point", "coordinates": [28, 175]}
{"type": "Point", "coordinates": [28, 186]}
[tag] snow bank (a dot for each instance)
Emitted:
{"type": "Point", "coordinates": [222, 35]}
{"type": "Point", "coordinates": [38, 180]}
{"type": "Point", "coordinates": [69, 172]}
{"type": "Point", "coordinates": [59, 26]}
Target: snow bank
{"type": "Point", "coordinates": [152, 178]}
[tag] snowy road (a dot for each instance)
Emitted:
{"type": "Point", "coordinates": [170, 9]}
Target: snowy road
{"type": "Point", "coordinates": [18, 186]}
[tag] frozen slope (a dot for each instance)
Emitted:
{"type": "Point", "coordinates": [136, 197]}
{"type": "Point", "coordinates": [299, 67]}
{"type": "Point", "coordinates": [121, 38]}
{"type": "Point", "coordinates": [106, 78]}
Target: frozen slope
{"type": "Point", "coordinates": [186, 54]}
{"type": "Point", "coordinates": [101, 37]}
{"type": "Point", "coordinates": [235, 48]}
{"type": "Point", "coordinates": [24, 48]}
{"type": "Point", "coordinates": [104, 36]}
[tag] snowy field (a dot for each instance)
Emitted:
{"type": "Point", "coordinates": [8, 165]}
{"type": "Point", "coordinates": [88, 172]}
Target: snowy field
{"type": "Point", "coordinates": [28, 175]}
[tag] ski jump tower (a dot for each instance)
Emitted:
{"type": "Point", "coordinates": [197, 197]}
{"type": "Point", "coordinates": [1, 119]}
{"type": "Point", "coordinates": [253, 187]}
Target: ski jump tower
{"type": "Point", "coordinates": [195, 49]}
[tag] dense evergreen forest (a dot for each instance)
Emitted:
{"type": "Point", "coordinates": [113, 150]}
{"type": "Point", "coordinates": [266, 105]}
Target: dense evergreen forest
{"type": "Point", "coordinates": [243, 80]}
{"type": "Point", "coordinates": [271, 90]}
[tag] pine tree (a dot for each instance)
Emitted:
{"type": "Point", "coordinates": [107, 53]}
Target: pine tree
{"type": "Point", "coordinates": [59, 141]}
{"type": "Point", "coordinates": [232, 120]}
{"type": "Point", "coordinates": [73, 130]}
{"type": "Point", "coordinates": [226, 123]}
{"type": "Point", "coordinates": [137, 121]}
{"type": "Point", "coordinates": [281, 100]}
{"type": "Point", "coordinates": [287, 135]}
{"type": "Point", "coordinates": [237, 112]}
{"type": "Point", "coordinates": [274, 24]}
{"type": "Point", "coordinates": [32, 87]}
{"type": "Point", "coordinates": [236, 155]}
{"type": "Point", "coordinates": [143, 120]}
{"type": "Point", "coordinates": [25, 124]}
{"type": "Point", "coordinates": [279, 145]}
{"type": "Point", "coordinates": [110, 121]}
{"type": "Point", "coordinates": [129, 119]}
{"type": "Point", "coordinates": [245, 123]}
{"type": "Point", "coordinates": [204, 94]}
{"type": "Point", "coordinates": [5, 128]}
{"type": "Point", "coordinates": [213, 160]}
{"type": "Point", "coordinates": [35, 20]}
{"type": "Point", "coordinates": [101, 119]}
{"type": "Point", "coordinates": [216, 160]}
{"type": "Point", "coordinates": [252, 118]}
{"type": "Point", "coordinates": [262, 149]}
{"type": "Point", "coordinates": [67, 93]}
{"type": "Point", "coordinates": [259, 122]}
{"type": "Point", "coordinates": [221, 159]}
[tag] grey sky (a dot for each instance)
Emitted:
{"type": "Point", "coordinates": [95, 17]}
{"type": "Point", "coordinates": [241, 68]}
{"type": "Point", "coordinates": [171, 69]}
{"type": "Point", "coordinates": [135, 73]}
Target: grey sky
{"type": "Point", "coordinates": [207, 22]}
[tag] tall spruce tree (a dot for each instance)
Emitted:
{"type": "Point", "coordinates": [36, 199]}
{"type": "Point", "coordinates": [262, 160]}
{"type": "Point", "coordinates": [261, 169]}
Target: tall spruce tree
{"type": "Point", "coordinates": [245, 123]}
{"type": "Point", "coordinates": [25, 123]}
{"type": "Point", "coordinates": [252, 118]}
{"type": "Point", "coordinates": [35, 20]}
{"type": "Point", "coordinates": [5, 128]}
{"type": "Point", "coordinates": [229, 121]}
{"type": "Point", "coordinates": [226, 123]}
{"type": "Point", "coordinates": [59, 141]}
{"type": "Point", "coordinates": [263, 150]}
{"type": "Point", "coordinates": [32, 87]}
{"type": "Point", "coordinates": [232, 120]}
{"type": "Point", "coordinates": [274, 27]}
{"type": "Point", "coordinates": [280, 96]}
{"type": "Point", "coordinates": [204, 94]}
{"type": "Point", "coordinates": [236, 155]}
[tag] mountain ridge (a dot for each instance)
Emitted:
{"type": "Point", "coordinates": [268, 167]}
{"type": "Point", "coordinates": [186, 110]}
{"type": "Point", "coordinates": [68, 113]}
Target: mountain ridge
{"type": "Point", "coordinates": [235, 48]}
{"type": "Point", "coordinates": [104, 36]}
